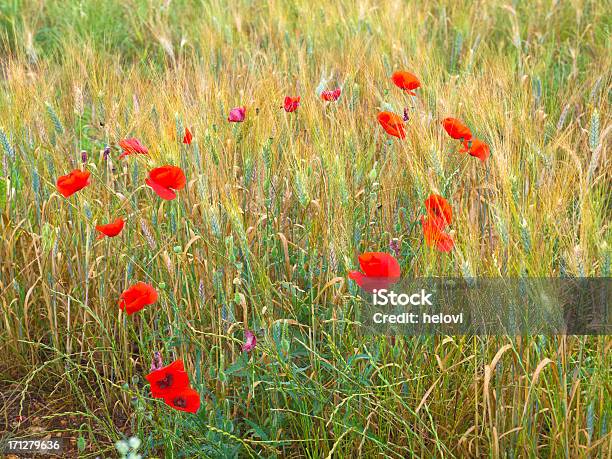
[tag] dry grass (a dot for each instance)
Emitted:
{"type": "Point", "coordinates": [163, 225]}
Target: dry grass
{"type": "Point", "coordinates": [278, 207]}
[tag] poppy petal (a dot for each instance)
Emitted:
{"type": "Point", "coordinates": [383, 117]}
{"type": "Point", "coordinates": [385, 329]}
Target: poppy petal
{"type": "Point", "coordinates": [185, 400]}
{"type": "Point", "coordinates": [161, 191]}
{"type": "Point", "coordinates": [380, 270]}
{"type": "Point", "coordinates": [406, 81]}
{"type": "Point", "coordinates": [167, 380]}
{"type": "Point", "coordinates": [137, 297]}
{"type": "Point", "coordinates": [168, 177]}
{"type": "Point", "coordinates": [439, 207]}
{"type": "Point", "coordinates": [392, 124]}
{"type": "Point", "coordinates": [132, 146]}
{"type": "Point", "coordinates": [434, 236]}
{"type": "Point", "coordinates": [188, 137]}
{"type": "Point", "coordinates": [445, 243]}
{"type": "Point", "coordinates": [69, 184]}
{"type": "Point", "coordinates": [480, 150]}
{"type": "Point", "coordinates": [291, 104]}
{"type": "Point", "coordinates": [456, 129]}
{"type": "Point", "coordinates": [110, 229]}
{"type": "Point", "coordinates": [379, 264]}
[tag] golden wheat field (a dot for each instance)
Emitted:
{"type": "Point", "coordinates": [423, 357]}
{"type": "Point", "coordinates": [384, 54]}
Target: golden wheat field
{"type": "Point", "coordinates": [180, 234]}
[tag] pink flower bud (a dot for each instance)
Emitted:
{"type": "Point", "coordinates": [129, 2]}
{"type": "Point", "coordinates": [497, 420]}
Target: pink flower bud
{"type": "Point", "coordinates": [237, 115]}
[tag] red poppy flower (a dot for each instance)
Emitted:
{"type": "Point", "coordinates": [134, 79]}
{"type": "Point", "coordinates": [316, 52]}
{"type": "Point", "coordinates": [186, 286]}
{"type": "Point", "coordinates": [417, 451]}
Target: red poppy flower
{"type": "Point", "coordinates": [406, 81]}
{"type": "Point", "coordinates": [456, 129]}
{"type": "Point", "coordinates": [393, 124]}
{"type": "Point", "coordinates": [291, 103]}
{"type": "Point", "coordinates": [379, 271]}
{"type": "Point", "coordinates": [69, 184]}
{"type": "Point", "coordinates": [434, 236]}
{"type": "Point", "coordinates": [168, 380]}
{"type": "Point", "coordinates": [439, 207]}
{"type": "Point", "coordinates": [110, 229]}
{"type": "Point", "coordinates": [137, 297]}
{"type": "Point", "coordinates": [479, 149]}
{"type": "Point", "coordinates": [186, 399]}
{"type": "Point", "coordinates": [187, 138]}
{"type": "Point", "coordinates": [330, 96]}
{"type": "Point", "coordinates": [132, 146]}
{"type": "Point", "coordinates": [165, 179]}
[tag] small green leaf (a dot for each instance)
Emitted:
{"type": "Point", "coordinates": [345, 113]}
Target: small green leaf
{"type": "Point", "coordinates": [81, 443]}
{"type": "Point", "coordinates": [48, 236]}
{"type": "Point", "coordinates": [236, 368]}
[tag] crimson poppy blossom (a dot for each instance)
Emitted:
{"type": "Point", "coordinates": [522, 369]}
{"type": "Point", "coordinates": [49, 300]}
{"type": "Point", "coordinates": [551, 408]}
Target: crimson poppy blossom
{"type": "Point", "coordinates": [479, 149]}
{"type": "Point", "coordinates": [110, 229]}
{"type": "Point", "coordinates": [331, 96]}
{"type": "Point", "coordinates": [137, 297]}
{"type": "Point", "coordinates": [406, 81]}
{"type": "Point", "coordinates": [237, 115]}
{"type": "Point", "coordinates": [165, 180]}
{"type": "Point", "coordinates": [186, 399]}
{"type": "Point", "coordinates": [392, 124]}
{"type": "Point", "coordinates": [132, 146]}
{"type": "Point", "coordinates": [250, 341]}
{"type": "Point", "coordinates": [168, 380]}
{"type": "Point", "coordinates": [439, 207]}
{"type": "Point", "coordinates": [69, 184]}
{"type": "Point", "coordinates": [445, 243]}
{"type": "Point", "coordinates": [291, 104]}
{"type": "Point", "coordinates": [457, 130]}
{"type": "Point", "coordinates": [434, 236]}
{"type": "Point", "coordinates": [188, 137]}
{"type": "Point", "coordinates": [439, 215]}
{"type": "Point", "coordinates": [380, 270]}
